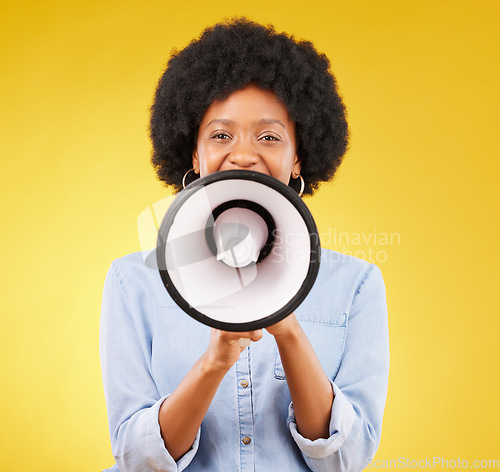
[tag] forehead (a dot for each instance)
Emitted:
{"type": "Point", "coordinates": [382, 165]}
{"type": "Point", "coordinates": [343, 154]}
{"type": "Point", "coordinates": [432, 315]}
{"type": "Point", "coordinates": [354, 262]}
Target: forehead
{"type": "Point", "coordinates": [249, 103]}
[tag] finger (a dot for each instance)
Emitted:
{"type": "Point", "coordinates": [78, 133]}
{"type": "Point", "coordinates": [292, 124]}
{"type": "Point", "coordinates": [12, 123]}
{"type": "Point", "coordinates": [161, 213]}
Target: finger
{"type": "Point", "coordinates": [256, 335]}
{"type": "Point", "coordinates": [244, 342]}
{"type": "Point", "coordinates": [250, 336]}
{"type": "Point", "coordinates": [234, 337]}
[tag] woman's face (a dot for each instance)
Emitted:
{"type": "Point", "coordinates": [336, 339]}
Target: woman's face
{"type": "Point", "coordinates": [249, 130]}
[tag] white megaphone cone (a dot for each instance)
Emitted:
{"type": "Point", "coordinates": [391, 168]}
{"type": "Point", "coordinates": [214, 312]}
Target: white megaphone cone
{"type": "Point", "coordinates": [238, 250]}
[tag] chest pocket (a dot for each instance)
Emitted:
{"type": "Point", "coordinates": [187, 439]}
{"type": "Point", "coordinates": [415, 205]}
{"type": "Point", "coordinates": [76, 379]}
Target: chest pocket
{"type": "Point", "coordinates": [326, 332]}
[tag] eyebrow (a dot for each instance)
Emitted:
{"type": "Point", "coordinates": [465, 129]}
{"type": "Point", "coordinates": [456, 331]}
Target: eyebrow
{"type": "Point", "coordinates": [270, 121]}
{"type": "Point", "coordinates": [264, 121]}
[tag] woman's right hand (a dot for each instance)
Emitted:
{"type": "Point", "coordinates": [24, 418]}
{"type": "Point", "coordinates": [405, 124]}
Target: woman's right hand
{"type": "Point", "coordinates": [224, 348]}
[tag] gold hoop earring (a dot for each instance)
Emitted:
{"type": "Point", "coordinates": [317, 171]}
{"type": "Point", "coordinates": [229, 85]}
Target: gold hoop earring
{"type": "Point", "coordinates": [302, 184]}
{"type": "Point", "coordinates": [184, 178]}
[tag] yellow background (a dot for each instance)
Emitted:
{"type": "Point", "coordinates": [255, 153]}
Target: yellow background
{"type": "Point", "coordinates": [420, 83]}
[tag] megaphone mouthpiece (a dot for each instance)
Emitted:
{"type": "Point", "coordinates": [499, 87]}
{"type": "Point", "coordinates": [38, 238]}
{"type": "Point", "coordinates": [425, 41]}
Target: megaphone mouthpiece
{"type": "Point", "coordinates": [240, 235]}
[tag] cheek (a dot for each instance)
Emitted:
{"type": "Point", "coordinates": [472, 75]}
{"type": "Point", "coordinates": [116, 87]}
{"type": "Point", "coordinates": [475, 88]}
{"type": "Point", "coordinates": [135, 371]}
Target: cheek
{"type": "Point", "coordinates": [208, 158]}
{"type": "Point", "coordinates": [282, 164]}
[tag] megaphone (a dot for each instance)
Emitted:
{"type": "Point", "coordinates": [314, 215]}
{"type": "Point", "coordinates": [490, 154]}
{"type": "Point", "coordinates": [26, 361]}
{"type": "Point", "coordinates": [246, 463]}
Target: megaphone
{"type": "Point", "coordinates": [238, 250]}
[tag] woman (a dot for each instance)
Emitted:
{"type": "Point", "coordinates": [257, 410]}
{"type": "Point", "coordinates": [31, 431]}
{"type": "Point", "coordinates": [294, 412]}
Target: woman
{"type": "Point", "coordinates": [309, 392]}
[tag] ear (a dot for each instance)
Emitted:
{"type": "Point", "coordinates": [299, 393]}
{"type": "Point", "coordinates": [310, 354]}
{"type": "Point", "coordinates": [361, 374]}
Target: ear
{"type": "Point", "coordinates": [196, 162]}
{"type": "Point", "coordinates": [296, 167]}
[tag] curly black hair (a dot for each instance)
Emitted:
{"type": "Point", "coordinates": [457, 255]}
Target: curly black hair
{"type": "Point", "coordinates": [226, 58]}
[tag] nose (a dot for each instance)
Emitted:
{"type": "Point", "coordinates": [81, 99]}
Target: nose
{"type": "Point", "coordinates": [243, 156]}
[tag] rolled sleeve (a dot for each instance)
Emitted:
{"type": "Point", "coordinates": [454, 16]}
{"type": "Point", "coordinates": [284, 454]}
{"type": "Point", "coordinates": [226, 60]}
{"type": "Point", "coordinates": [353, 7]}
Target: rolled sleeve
{"type": "Point", "coordinates": [341, 421]}
{"type": "Point", "coordinates": [151, 446]}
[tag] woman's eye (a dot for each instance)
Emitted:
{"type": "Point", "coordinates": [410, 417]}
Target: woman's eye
{"type": "Point", "coordinates": [269, 137]}
{"type": "Point", "coordinates": [220, 136]}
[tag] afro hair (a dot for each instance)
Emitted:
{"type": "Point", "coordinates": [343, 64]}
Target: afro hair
{"type": "Point", "coordinates": [226, 58]}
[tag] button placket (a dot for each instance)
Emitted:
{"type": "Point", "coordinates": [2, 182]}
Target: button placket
{"type": "Point", "coordinates": [245, 411]}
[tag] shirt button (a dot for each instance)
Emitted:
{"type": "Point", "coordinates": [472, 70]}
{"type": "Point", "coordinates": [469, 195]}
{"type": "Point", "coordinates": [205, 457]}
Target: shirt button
{"type": "Point", "coordinates": [244, 383]}
{"type": "Point", "coordinates": [246, 440]}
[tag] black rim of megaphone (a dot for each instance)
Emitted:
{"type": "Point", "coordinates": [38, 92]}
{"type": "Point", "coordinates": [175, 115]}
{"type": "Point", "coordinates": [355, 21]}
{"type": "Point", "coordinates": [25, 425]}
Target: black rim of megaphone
{"type": "Point", "coordinates": [285, 191]}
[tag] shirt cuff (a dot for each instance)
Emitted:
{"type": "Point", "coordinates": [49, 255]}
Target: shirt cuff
{"type": "Point", "coordinates": [151, 445]}
{"type": "Point", "coordinates": [341, 421]}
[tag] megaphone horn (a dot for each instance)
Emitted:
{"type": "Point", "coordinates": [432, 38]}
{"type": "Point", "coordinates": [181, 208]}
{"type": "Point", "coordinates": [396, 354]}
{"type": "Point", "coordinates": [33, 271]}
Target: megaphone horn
{"type": "Point", "coordinates": [238, 250]}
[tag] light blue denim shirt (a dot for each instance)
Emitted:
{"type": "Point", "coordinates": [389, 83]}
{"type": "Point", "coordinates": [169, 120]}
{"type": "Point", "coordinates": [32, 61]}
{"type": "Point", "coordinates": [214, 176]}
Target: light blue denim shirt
{"type": "Point", "coordinates": [148, 345]}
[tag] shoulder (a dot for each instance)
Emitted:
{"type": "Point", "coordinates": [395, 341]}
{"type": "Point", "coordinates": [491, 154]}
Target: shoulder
{"type": "Point", "coordinates": [339, 280]}
{"type": "Point", "coordinates": [136, 265]}
{"type": "Point", "coordinates": [350, 270]}
{"type": "Point", "coordinates": [138, 275]}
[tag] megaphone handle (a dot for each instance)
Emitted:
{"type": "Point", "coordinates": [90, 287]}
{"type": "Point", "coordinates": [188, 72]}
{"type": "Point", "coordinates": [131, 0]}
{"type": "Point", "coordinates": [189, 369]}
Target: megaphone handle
{"type": "Point", "coordinates": [245, 342]}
